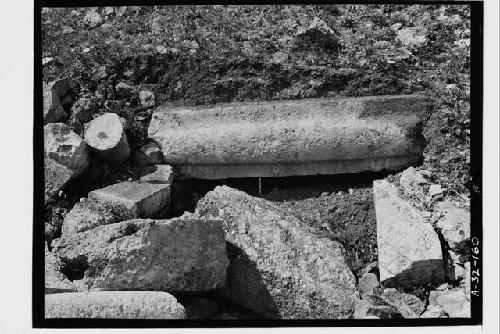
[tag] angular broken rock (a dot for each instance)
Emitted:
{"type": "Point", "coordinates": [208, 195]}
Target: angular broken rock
{"type": "Point", "coordinates": [55, 281]}
{"type": "Point", "coordinates": [65, 147]}
{"type": "Point", "coordinates": [283, 138]}
{"type": "Point", "coordinates": [56, 96]}
{"type": "Point", "coordinates": [114, 305]}
{"type": "Point", "coordinates": [408, 305]}
{"type": "Point", "coordinates": [367, 283]}
{"type": "Point", "coordinates": [158, 174]}
{"type": "Point", "coordinates": [56, 177]}
{"type": "Point", "coordinates": [181, 254]}
{"type": "Point", "coordinates": [454, 302]}
{"type": "Point", "coordinates": [409, 251]}
{"type": "Point", "coordinates": [454, 225]}
{"type": "Point", "coordinates": [107, 138]}
{"type": "Point", "coordinates": [149, 154]}
{"type": "Point", "coordinates": [372, 307]}
{"type": "Point", "coordinates": [85, 216]}
{"type": "Point", "coordinates": [127, 200]}
{"type": "Point", "coordinates": [277, 268]}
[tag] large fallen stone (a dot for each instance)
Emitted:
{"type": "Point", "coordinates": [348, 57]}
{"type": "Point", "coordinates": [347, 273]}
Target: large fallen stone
{"type": "Point", "coordinates": [85, 216]}
{"type": "Point", "coordinates": [277, 268]}
{"type": "Point", "coordinates": [107, 139]}
{"type": "Point", "coordinates": [55, 281]}
{"type": "Point", "coordinates": [56, 96]}
{"type": "Point", "coordinates": [133, 199]}
{"type": "Point", "coordinates": [181, 254]}
{"type": "Point", "coordinates": [283, 138]}
{"type": "Point", "coordinates": [56, 177]}
{"type": "Point", "coordinates": [409, 251]}
{"type": "Point", "coordinates": [66, 147]}
{"type": "Point", "coordinates": [454, 302]}
{"type": "Point", "coordinates": [454, 225]}
{"type": "Point", "coordinates": [114, 305]}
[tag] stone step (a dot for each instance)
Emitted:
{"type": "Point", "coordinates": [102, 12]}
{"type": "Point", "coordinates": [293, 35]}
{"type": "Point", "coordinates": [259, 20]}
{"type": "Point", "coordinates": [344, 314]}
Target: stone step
{"type": "Point", "coordinates": [284, 138]}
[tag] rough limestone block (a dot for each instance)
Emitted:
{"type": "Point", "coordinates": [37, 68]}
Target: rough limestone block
{"type": "Point", "coordinates": [158, 174]}
{"type": "Point", "coordinates": [185, 254]}
{"type": "Point", "coordinates": [65, 147]}
{"type": "Point", "coordinates": [277, 268]}
{"type": "Point", "coordinates": [408, 305]}
{"type": "Point", "coordinates": [283, 138]}
{"type": "Point", "coordinates": [85, 216]}
{"type": "Point", "coordinates": [454, 225]}
{"type": "Point", "coordinates": [133, 199]}
{"type": "Point", "coordinates": [56, 95]}
{"type": "Point", "coordinates": [409, 251]}
{"type": "Point", "coordinates": [114, 305]}
{"type": "Point", "coordinates": [56, 177]}
{"type": "Point", "coordinates": [55, 281]}
{"type": "Point", "coordinates": [107, 139]}
{"type": "Point", "coordinates": [454, 302]}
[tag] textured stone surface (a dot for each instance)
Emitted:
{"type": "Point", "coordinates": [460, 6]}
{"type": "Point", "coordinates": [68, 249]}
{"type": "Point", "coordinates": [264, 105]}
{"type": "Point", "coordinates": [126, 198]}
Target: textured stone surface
{"type": "Point", "coordinates": [454, 302]}
{"type": "Point", "coordinates": [281, 138]}
{"type": "Point", "coordinates": [55, 281]}
{"type": "Point", "coordinates": [56, 95]}
{"type": "Point", "coordinates": [158, 174]}
{"type": "Point", "coordinates": [65, 147]}
{"type": "Point", "coordinates": [85, 216]}
{"type": "Point", "coordinates": [181, 254]}
{"type": "Point", "coordinates": [277, 268]}
{"type": "Point", "coordinates": [408, 305]}
{"type": "Point", "coordinates": [367, 283]}
{"type": "Point", "coordinates": [412, 182]}
{"type": "Point", "coordinates": [114, 305]}
{"type": "Point", "coordinates": [133, 199]}
{"type": "Point", "coordinates": [147, 98]}
{"type": "Point", "coordinates": [56, 176]}
{"type": "Point", "coordinates": [149, 154]}
{"type": "Point", "coordinates": [454, 225]}
{"type": "Point", "coordinates": [409, 251]}
{"type": "Point", "coordinates": [372, 307]}
{"type": "Point", "coordinates": [107, 139]}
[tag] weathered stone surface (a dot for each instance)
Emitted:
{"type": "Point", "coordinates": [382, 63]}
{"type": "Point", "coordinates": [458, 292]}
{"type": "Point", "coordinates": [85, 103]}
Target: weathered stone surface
{"type": "Point", "coordinates": [367, 283]}
{"type": "Point", "coordinates": [433, 311]}
{"type": "Point", "coordinates": [454, 225]}
{"type": "Point", "coordinates": [133, 199]}
{"type": "Point", "coordinates": [282, 138]}
{"type": "Point", "coordinates": [65, 147]}
{"type": "Point", "coordinates": [372, 307]}
{"type": "Point", "coordinates": [56, 177]}
{"type": "Point", "coordinates": [85, 216]}
{"type": "Point", "coordinates": [114, 305]}
{"type": "Point", "coordinates": [106, 137]}
{"type": "Point", "coordinates": [149, 154]}
{"type": "Point", "coordinates": [454, 302]}
{"type": "Point", "coordinates": [158, 174]}
{"type": "Point", "coordinates": [123, 90]}
{"type": "Point", "coordinates": [408, 305]}
{"type": "Point", "coordinates": [55, 281]}
{"type": "Point", "coordinates": [92, 19]}
{"type": "Point", "coordinates": [181, 254]}
{"type": "Point", "coordinates": [412, 182]}
{"type": "Point", "coordinates": [56, 96]}
{"type": "Point", "coordinates": [147, 98]}
{"type": "Point", "coordinates": [277, 268]}
{"type": "Point", "coordinates": [409, 251]}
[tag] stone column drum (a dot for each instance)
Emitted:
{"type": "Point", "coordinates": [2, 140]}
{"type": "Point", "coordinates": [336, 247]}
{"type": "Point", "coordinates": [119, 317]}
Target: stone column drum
{"type": "Point", "coordinates": [293, 137]}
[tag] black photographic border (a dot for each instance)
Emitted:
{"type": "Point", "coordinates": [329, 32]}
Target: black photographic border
{"type": "Point", "coordinates": [476, 170]}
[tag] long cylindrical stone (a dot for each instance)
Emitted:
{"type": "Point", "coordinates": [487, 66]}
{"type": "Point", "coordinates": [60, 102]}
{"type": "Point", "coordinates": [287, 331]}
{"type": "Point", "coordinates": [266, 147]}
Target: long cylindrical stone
{"type": "Point", "coordinates": [283, 138]}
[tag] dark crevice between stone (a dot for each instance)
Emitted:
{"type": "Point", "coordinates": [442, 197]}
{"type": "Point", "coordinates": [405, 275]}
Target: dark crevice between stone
{"type": "Point", "coordinates": [74, 269]}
